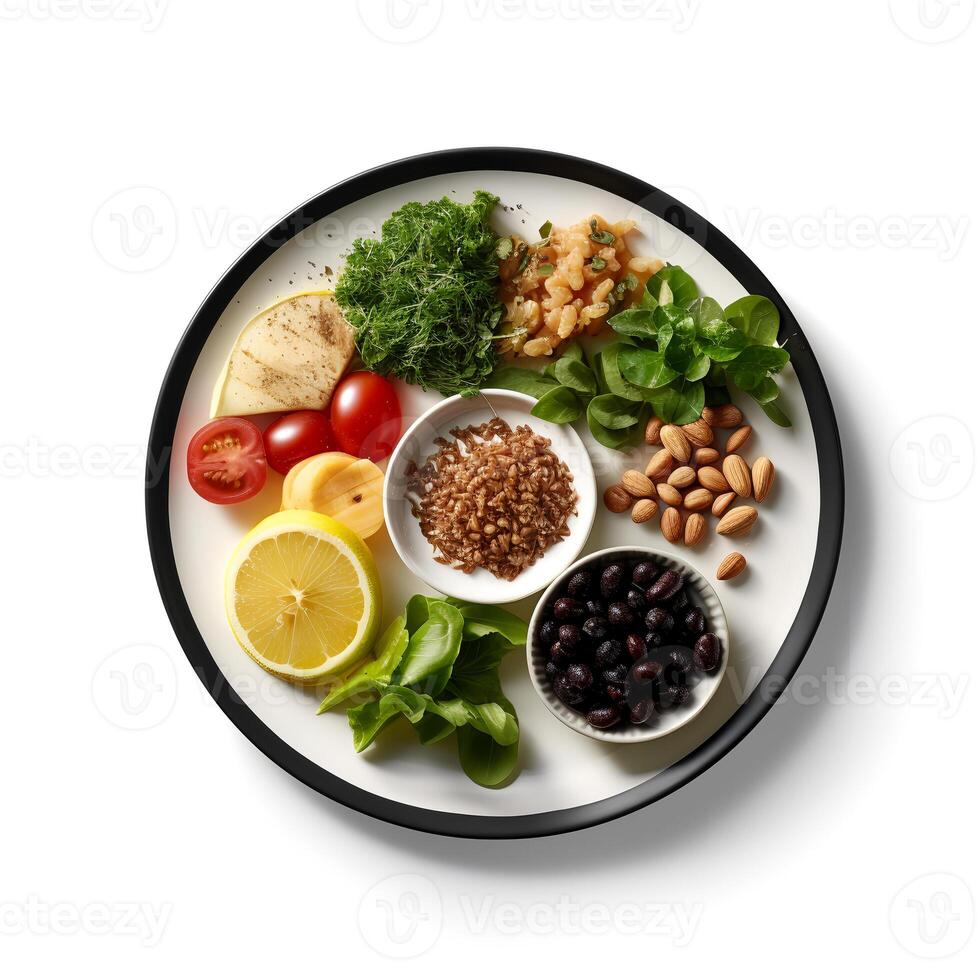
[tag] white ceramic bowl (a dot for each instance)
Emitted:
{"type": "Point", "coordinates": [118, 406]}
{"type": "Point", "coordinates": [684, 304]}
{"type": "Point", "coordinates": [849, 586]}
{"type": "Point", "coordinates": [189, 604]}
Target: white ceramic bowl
{"type": "Point", "coordinates": [418, 444]}
{"type": "Point", "coordinates": [701, 593]}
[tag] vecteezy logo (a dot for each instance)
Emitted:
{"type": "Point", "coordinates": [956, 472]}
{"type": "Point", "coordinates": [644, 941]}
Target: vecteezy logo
{"type": "Point", "coordinates": [135, 688]}
{"type": "Point", "coordinates": [932, 21]}
{"type": "Point", "coordinates": [401, 916]}
{"type": "Point", "coordinates": [932, 459]}
{"type": "Point", "coordinates": [136, 229]}
{"type": "Point", "coordinates": [932, 916]}
{"type": "Point", "coordinates": [400, 21]}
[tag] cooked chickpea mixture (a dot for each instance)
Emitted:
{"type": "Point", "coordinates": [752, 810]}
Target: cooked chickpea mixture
{"type": "Point", "coordinates": [569, 284]}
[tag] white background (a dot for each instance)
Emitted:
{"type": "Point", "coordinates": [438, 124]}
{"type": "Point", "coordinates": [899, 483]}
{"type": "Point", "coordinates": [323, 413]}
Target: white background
{"type": "Point", "coordinates": [835, 142]}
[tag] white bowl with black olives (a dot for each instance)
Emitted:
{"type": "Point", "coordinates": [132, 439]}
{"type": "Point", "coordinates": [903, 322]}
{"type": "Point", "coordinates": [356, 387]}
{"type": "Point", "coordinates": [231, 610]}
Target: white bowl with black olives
{"type": "Point", "coordinates": [628, 645]}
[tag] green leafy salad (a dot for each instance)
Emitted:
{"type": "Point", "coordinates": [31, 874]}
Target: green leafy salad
{"type": "Point", "coordinates": [679, 352]}
{"type": "Point", "coordinates": [422, 299]}
{"type": "Point", "coordinates": [438, 666]}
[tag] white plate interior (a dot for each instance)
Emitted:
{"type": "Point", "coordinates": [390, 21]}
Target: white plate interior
{"type": "Point", "coordinates": [419, 443]}
{"type": "Point", "coordinates": [701, 593]}
{"type": "Point", "coordinates": [559, 768]}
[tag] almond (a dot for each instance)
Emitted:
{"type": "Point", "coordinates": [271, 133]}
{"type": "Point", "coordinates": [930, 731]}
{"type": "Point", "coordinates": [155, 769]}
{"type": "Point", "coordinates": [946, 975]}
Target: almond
{"type": "Point", "coordinates": [673, 438]}
{"type": "Point", "coordinates": [617, 499]}
{"type": "Point", "coordinates": [699, 433]}
{"type": "Point", "coordinates": [731, 565]}
{"type": "Point", "coordinates": [722, 416]}
{"type": "Point", "coordinates": [713, 479]}
{"type": "Point", "coordinates": [636, 484]}
{"type": "Point", "coordinates": [652, 434]}
{"type": "Point", "coordinates": [737, 474]}
{"type": "Point", "coordinates": [683, 476]}
{"type": "Point", "coordinates": [705, 456]}
{"type": "Point", "coordinates": [738, 520]}
{"type": "Point", "coordinates": [643, 510]}
{"type": "Point", "coordinates": [660, 465]}
{"type": "Point", "coordinates": [763, 473]}
{"type": "Point", "coordinates": [694, 529]}
{"type": "Point", "coordinates": [721, 503]}
{"type": "Point", "coordinates": [669, 495]}
{"type": "Point", "coordinates": [670, 524]}
{"type": "Point", "coordinates": [738, 439]}
{"type": "Point", "coordinates": [699, 499]}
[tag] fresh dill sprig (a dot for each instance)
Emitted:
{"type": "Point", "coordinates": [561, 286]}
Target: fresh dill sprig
{"type": "Point", "coordinates": [423, 299]}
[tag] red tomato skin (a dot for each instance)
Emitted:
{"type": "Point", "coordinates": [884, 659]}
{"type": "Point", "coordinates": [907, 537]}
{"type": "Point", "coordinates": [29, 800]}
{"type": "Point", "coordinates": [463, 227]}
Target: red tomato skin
{"type": "Point", "coordinates": [243, 461]}
{"type": "Point", "coordinates": [365, 416]}
{"type": "Point", "coordinates": [297, 436]}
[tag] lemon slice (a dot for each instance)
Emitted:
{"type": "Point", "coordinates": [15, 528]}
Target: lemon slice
{"type": "Point", "coordinates": [302, 596]}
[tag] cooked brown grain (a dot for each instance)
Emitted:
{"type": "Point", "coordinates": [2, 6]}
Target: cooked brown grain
{"type": "Point", "coordinates": [492, 497]}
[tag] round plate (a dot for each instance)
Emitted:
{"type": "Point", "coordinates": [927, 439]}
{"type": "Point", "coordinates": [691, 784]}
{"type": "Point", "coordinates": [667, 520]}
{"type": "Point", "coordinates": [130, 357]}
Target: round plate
{"type": "Point", "coordinates": [698, 588]}
{"type": "Point", "coordinates": [565, 781]}
{"type": "Point", "coordinates": [419, 443]}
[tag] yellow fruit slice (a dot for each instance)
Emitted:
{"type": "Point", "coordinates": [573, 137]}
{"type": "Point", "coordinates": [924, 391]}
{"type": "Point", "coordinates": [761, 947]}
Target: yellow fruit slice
{"type": "Point", "coordinates": [289, 481]}
{"type": "Point", "coordinates": [302, 596]}
{"type": "Point", "coordinates": [341, 486]}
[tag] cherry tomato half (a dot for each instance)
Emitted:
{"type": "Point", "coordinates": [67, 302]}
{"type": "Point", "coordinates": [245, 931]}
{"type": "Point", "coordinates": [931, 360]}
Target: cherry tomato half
{"type": "Point", "coordinates": [365, 415]}
{"type": "Point", "coordinates": [295, 437]}
{"type": "Point", "coordinates": [226, 461]}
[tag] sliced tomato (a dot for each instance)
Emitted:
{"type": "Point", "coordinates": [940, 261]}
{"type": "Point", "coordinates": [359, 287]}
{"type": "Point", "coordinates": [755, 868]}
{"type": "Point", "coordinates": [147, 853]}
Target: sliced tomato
{"type": "Point", "coordinates": [226, 461]}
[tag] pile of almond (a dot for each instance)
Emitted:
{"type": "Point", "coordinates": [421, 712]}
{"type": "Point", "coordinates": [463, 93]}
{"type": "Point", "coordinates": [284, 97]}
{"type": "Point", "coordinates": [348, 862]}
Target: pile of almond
{"type": "Point", "coordinates": [689, 478]}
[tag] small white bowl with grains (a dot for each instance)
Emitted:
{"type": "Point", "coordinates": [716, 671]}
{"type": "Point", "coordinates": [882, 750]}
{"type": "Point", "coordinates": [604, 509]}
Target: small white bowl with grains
{"type": "Point", "coordinates": [485, 502]}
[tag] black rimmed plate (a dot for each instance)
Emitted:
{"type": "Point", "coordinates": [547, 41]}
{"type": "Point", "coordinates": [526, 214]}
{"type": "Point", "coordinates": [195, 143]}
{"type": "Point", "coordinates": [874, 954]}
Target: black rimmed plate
{"type": "Point", "coordinates": [566, 781]}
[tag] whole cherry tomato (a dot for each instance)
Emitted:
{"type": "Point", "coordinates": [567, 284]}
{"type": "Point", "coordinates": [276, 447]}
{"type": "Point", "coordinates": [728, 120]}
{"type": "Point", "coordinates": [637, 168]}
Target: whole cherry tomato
{"type": "Point", "coordinates": [365, 415]}
{"type": "Point", "coordinates": [295, 437]}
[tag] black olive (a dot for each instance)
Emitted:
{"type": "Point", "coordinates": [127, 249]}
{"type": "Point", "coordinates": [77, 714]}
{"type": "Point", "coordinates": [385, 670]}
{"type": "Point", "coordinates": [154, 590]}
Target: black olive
{"type": "Point", "coordinates": [644, 573]}
{"type": "Point", "coordinates": [604, 717]}
{"type": "Point", "coordinates": [694, 621]}
{"type": "Point", "coordinates": [558, 652]}
{"type": "Point", "coordinates": [564, 691]}
{"type": "Point", "coordinates": [678, 695]}
{"type": "Point", "coordinates": [608, 653]}
{"type": "Point", "coordinates": [619, 614]}
{"type": "Point", "coordinates": [707, 652]}
{"type": "Point", "coordinates": [615, 675]}
{"type": "Point", "coordinates": [636, 646]}
{"type": "Point", "coordinates": [596, 628]}
{"type": "Point", "coordinates": [566, 609]}
{"type": "Point", "coordinates": [653, 640]}
{"type": "Point", "coordinates": [647, 671]}
{"type": "Point", "coordinates": [680, 603]}
{"type": "Point", "coordinates": [681, 659]}
{"type": "Point", "coordinates": [579, 584]}
{"type": "Point", "coordinates": [579, 675]}
{"type": "Point", "coordinates": [667, 585]}
{"type": "Point", "coordinates": [548, 632]}
{"type": "Point", "coordinates": [616, 692]}
{"type": "Point", "coordinates": [550, 669]}
{"type": "Point", "coordinates": [569, 636]}
{"type": "Point", "coordinates": [659, 620]}
{"type": "Point", "coordinates": [612, 581]}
